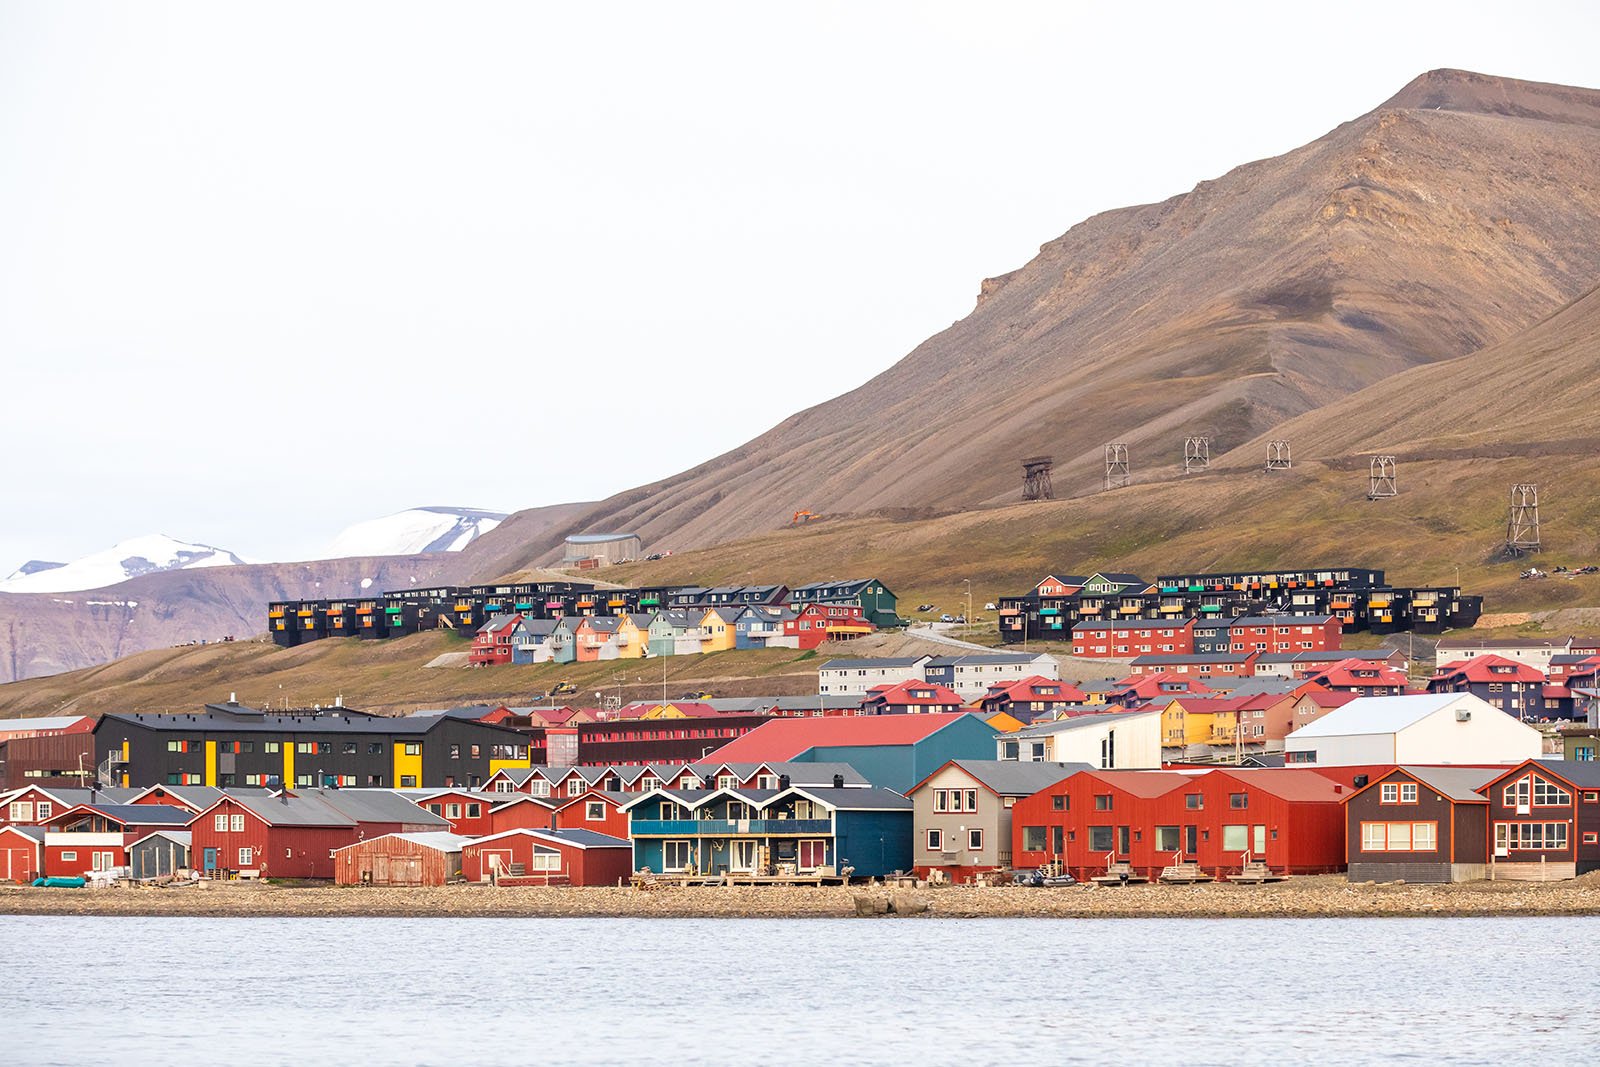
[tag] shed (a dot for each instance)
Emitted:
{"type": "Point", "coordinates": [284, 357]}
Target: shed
{"type": "Point", "coordinates": [548, 857]}
{"type": "Point", "coordinates": [161, 854]}
{"type": "Point", "coordinates": [21, 853]}
{"type": "Point", "coordinates": [430, 858]}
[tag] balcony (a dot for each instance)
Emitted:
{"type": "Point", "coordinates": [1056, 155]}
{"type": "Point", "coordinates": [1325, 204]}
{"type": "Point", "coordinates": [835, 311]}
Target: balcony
{"type": "Point", "coordinates": [276, 613]}
{"type": "Point", "coordinates": [727, 827]}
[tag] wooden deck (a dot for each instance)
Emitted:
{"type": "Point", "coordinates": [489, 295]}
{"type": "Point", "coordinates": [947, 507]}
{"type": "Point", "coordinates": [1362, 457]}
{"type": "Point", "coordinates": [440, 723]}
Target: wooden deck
{"type": "Point", "coordinates": [661, 881]}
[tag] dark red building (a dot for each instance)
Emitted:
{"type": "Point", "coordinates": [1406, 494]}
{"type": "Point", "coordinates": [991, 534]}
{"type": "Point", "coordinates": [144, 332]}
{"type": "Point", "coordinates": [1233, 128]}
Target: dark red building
{"type": "Point", "coordinates": [1419, 824]}
{"type": "Point", "coordinates": [1544, 820]}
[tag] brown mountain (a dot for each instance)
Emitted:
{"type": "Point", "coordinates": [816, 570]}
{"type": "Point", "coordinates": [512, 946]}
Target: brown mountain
{"type": "Point", "coordinates": [1459, 212]}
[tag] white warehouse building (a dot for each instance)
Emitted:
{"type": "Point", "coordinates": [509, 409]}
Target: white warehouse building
{"type": "Point", "coordinates": [1427, 728]}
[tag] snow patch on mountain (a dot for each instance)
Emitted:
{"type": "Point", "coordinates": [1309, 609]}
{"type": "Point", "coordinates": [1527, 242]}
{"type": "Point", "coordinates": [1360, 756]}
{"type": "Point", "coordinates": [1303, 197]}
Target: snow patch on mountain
{"type": "Point", "coordinates": [405, 533]}
{"type": "Point", "coordinates": [124, 560]}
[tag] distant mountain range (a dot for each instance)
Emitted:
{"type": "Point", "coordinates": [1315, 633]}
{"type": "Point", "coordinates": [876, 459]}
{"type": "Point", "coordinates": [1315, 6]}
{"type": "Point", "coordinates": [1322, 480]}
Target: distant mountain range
{"type": "Point", "coordinates": [126, 559]}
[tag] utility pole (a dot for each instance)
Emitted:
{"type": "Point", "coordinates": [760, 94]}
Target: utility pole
{"type": "Point", "coordinates": [967, 629]}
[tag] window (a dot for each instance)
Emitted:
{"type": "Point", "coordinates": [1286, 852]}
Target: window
{"type": "Point", "coordinates": [324, 748]}
{"type": "Point", "coordinates": [1058, 803]}
{"type": "Point", "coordinates": [474, 810]}
{"type": "Point", "coordinates": [236, 823]}
{"type": "Point", "coordinates": [1238, 801]}
{"type": "Point", "coordinates": [22, 811]}
{"type": "Point", "coordinates": [675, 855]}
{"type": "Point", "coordinates": [1033, 839]}
{"type": "Point", "coordinates": [303, 781]}
{"type": "Point", "coordinates": [375, 748]}
{"type": "Point", "coordinates": [452, 811]}
{"type": "Point", "coordinates": [1530, 836]}
{"type": "Point", "coordinates": [1100, 838]}
{"type": "Point", "coordinates": [455, 751]}
{"type": "Point", "coordinates": [594, 811]}
{"type": "Point", "coordinates": [575, 787]}
{"type": "Point", "coordinates": [935, 839]}
{"type": "Point", "coordinates": [220, 823]}
{"type": "Point", "coordinates": [270, 747]}
{"type": "Point", "coordinates": [247, 856]}
{"type": "Point", "coordinates": [1548, 794]}
{"type": "Point", "coordinates": [1235, 838]}
{"type": "Point", "coordinates": [46, 809]}
{"type": "Point", "coordinates": [1194, 801]}
{"type": "Point", "coordinates": [975, 840]}
{"type": "Point", "coordinates": [69, 857]}
{"type": "Point", "coordinates": [1389, 793]}
{"type": "Point", "coordinates": [413, 748]}
{"type": "Point", "coordinates": [408, 781]}
{"type": "Point", "coordinates": [350, 748]}
{"type": "Point", "coordinates": [476, 751]}
{"type": "Point", "coordinates": [306, 748]}
{"type": "Point", "coordinates": [1166, 839]}
{"type": "Point", "coordinates": [1102, 802]}
{"type": "Point", "coordinates": [1399, 836]}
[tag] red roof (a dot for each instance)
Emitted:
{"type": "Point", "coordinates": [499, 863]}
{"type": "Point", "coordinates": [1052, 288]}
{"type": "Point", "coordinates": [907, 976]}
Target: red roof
{"type": "Point", "coordinates": [1290, 783]}
{"type": "Point", "coordinates": [1028, 689]}
{"type": "Point", "coordinates": [1149, 686]}
{"type": "Point", "coordinates": [909, 692]}
{"type": "Point", "coordinates": [784, 739]}
{"type": "Point", "coordinates": [1489, 669]}
{"type": "Point", "coordinates": [1143, 783]}
{"type": "Point", "coordinates": [1351, 673]}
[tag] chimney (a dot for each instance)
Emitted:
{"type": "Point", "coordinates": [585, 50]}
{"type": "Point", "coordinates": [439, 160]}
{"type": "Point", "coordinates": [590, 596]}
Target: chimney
{"type": "Point", "coordinates": [338, 701]}
{"type": "Point", "coordinates": [783, 781]}
{"type": "Point", "coordinates": [838, 781]}
{"type": "Point", "coordinates": [233, 698]}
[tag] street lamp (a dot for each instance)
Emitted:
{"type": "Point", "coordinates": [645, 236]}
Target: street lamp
{"type": "Point", "coordinates": [967, 629]}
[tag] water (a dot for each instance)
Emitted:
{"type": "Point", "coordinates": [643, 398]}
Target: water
{"type": "Point", "coordinates": [773, 992]}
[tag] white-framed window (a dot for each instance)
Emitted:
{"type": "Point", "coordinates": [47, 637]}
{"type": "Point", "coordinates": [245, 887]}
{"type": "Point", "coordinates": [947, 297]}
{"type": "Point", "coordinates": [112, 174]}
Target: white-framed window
{"type": "Point", "coordinates": [247, 856]}
{"type": "Point", "coordinates": [69, 856]}
{"type": "Point", "coordinates": [574, 787]}
{"type": "Point", "coordinates": [1547, 794]}
{"type": "Point", "coordinates": [676, 855]}
{"type": "Point", "coordinates": [236, 823]}
{"type": "Point", "coordinates": [545, 859]}
{"type": "Point", "coordinates": [22, 811]}
{"type": "Point", "coordinates": [220, 823]}
{"type": "Point", "coordinates": [594, 811]}
{"type": "Point", "coordinates": [1530, 836]}
{"type": "Point", "coordinates": [935, 839]}
{"type": "Point", "coordinates": [975, 839]}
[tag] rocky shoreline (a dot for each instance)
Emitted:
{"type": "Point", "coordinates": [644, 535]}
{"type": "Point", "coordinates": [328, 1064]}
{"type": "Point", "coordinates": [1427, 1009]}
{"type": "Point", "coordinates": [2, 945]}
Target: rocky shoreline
{"type": "Point", "coordinates": [1329, 896]}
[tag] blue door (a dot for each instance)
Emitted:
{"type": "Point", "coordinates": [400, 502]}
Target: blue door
{"type": "Point", "coordinates": [211, 859]}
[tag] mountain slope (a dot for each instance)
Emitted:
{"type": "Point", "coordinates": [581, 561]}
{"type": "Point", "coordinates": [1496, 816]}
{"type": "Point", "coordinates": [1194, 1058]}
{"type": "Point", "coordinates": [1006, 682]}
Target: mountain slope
{"type": "Point", "coordinates": [126, 559]}
{"type": "Point", "coordinates": [1451, 217]}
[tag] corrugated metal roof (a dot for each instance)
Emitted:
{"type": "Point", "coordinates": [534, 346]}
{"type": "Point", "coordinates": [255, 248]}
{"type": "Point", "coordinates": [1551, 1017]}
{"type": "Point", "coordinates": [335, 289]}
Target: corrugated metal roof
{"type": "Point", "coordinates": [784, 739]}
{"type": "Point", "coordinates": [1076, 722]}
{"type": "Point", "coordinates": [375, 805]}
{"type": "Point", "coordinates": [1018, 778]}
{"type": "Point", "coordinates": [438, 840]}
{"type": "Point", "coordinates": [1384, 715]}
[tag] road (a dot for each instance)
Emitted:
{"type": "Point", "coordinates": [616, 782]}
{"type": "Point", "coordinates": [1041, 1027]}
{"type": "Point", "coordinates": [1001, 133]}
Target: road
{"type": "Point", "coordinates": [939, 633]}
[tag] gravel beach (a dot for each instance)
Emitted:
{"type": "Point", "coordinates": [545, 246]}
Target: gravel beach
{"type": "Point", "coordinates": [1298, 898]}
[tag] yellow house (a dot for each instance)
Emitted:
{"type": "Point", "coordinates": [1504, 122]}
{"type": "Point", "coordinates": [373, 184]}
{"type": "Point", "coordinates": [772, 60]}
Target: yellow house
{"type": "Point", "coordinates": [717, 629]}
{"type": "Point", "coordinates": [664, 711]}
{"type": "Point", "coordinates": [1005, 722]}
{"type": "Point", "coordinates": [633, 640]}
{"type": "Point", "coordinates": [1198, 721]}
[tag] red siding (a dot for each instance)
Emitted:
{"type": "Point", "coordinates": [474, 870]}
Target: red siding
{"type": "Point", "coordinates": [353, 862]}
{"type": "Point", "coordinates": [19, 858]}
{"type": "Point", "coordinates": [278, 851]}
{"type": "Point", "coordinates": [527, 815]}
{"type": "Point", "coordinates": [582, 866]}
{"type": "Point", "coordinates": [574, 816]}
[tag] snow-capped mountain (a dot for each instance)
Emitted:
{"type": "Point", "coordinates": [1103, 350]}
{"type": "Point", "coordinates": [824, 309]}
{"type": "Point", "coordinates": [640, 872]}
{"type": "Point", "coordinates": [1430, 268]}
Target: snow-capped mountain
{"type": "Point", "coordinates": [406, 533]}
{"type": "Point", "coordinates": [124, 560]}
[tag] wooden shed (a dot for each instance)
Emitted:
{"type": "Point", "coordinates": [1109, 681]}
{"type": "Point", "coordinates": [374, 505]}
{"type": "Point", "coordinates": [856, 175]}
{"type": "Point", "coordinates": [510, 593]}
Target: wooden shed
{"type": "Point", "coordinates": [21, 853]}
{"type": "Point", "coordinates": [159, 855]}
{"type": "Point", "coordinates": [431, 858]}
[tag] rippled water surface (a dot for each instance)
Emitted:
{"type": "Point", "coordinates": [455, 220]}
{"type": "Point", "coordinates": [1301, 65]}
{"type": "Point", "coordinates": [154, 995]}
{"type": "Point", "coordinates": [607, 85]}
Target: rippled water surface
{"type": "Point", "coordinates": [607, 991]}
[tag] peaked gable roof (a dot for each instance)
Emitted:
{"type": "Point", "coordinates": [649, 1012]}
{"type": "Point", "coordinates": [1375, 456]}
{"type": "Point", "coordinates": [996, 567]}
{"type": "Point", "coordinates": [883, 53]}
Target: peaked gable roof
{"type": "Point", "coordinates": [785, 738]}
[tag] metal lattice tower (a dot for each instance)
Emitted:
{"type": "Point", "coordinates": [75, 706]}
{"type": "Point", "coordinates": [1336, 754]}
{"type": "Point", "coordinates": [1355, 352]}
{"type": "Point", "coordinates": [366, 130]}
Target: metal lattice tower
{"type": "Point", "coordinates": [1278, 456]}
{"type": "Point", "coordinates": [1196, 454]}
{"type": "Point", "coordinates": [1522, 528]}
{"type": "Point", "coordinates": [1117, 474]}
{"type": "Point", "coordinates": [1036, 479]}
{"type": "Point", "coordinates": [1381, 481]}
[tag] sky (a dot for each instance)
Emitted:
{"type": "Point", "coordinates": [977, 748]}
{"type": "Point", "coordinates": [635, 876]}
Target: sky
{"type": "Point", "coordinates": [269, 270]}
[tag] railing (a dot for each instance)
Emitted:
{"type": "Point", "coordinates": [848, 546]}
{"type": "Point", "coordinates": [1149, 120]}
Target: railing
{"type": "Point", "coordinates": [726, 827]}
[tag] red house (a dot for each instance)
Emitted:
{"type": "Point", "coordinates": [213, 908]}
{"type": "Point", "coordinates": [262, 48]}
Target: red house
{"type": "Point", "coordinates": [1125, 638]}
{"type": "Point", "coordinates": [1137, 689]}
{"type": "Point", "coordinates": [279, 837]}
{"type": "Point", "coordinates": [816, 623]}
{"type": "Point", "coordinates": [548, 857]}
{"type": "Point", "coordinates": [522, 812]}
{"type": "Point", "coordinates": [910, 698]}
{"type": "Point", "coordinates": [95, 837]}
{"type": "Point", "coordinates": [1362, 677]}
{"type": "Point", "coordinates": [1031, 698]}
{"type": "Point", "coordinates": [466, 812]}
{"type": "Point", "coordinates": [1275, 634]}
{"type": "Point", "coordinates": [1544, 820]}
{"type": "Point", "coordinates": [1290, 819]}
{"type": "Point", "coordinates": [596, 810]}
{"type": "Point", "coordinates": [491, 645]}
{"type": "Point", "coordinates": [21, 853]}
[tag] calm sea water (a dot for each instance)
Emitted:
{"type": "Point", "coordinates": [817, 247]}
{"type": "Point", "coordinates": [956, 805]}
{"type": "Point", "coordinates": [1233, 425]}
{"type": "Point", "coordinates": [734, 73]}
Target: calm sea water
{"type": "Point", "coordinates": [87, 991]}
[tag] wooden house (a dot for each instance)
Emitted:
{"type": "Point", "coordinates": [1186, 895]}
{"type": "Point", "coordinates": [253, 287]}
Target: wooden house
{"type": "Point", "coordinates": [280, 837]}
{"type": "Point", "coordinates": [563, 639]}
{"type": "Point", "coordinates": [1362, 678]}
{"type": "Point", "coordinates": [962, 813]}
{"type": "Point", "coordinates": [523, 812]}
{"type": "Point", "coordinates": [548, 857]}
{"type": "Point", "coordinates": [761, 626]}
{"type": "Point", "coordinates": [466, 811]}
{"type": "Point", "coordinates": [717, 628]}
{"type": "Point", "coordinates": [675, 632]}
{"type": "Point", "coordinates": [911, 698]}
{"type": "Point", "coordinates": [596, 809]}
{"type": "Point", "coordinates": [1271, 634]}
{"type": "Point", "coordinates": [530, 641]}
{"type": "Point", "coordinates": [593, 635]}
{"type": "Point", "coordinates": [877, 602]}
{"type": "Point", "coordinates": [1419, 824]}
{"type": "Point", "coordinates": [403, 859]}
{"type": "Point", "coordinates": [493, 643]}
{"type": "Point", "coordinates": [96, 836]}
{"type": "Point", "coordinates": [1544, 820]}
{"type": "Point", "coordinates": [1514, 687]}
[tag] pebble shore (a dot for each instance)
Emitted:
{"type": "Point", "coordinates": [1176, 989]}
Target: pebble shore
{"type": "Point", "coordinates": [1326, 896]}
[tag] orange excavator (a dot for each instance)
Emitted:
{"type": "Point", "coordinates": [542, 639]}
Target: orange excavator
{"type": "Point", "coordinates": [800, 517]}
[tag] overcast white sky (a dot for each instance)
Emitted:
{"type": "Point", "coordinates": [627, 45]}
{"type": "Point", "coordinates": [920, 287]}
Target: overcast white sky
{"type": "Point", "coordinates": [269, 270]}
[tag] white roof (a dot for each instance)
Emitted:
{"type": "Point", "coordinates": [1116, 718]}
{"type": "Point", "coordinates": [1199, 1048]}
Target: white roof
{"type": "Point", "coordinates": [1380, 715]}
{"type": "Point", "coordinates": [438, 840]}
{"type": "Point", "coordinates": [40, 722]}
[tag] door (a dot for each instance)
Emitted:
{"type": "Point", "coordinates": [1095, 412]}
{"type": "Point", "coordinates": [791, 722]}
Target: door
{"type": "Point", "coordinates": [211, 859]}
{"type": "Point", "coordinates": [1057, 845]}
{"type": "Point", "coordinates": [1191, 841]}
{"type": "Point", "coordinates": [743, 857]}
{"type": "Point", "coordinates": [1123, 838]}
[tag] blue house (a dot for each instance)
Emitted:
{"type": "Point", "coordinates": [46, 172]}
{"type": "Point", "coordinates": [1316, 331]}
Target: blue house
{"type": "Point", "coordinates": [801, 830]}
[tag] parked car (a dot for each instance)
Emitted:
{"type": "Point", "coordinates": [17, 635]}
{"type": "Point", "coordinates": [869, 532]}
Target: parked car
{"type": "Point", "coordinates": [924, 607]}
{"type": "Point", "coordinates": [947, 618]}
{"type": "Point", "coordinates": [989, 606]}
{"type": "Point", "coordinates": [960, 618]}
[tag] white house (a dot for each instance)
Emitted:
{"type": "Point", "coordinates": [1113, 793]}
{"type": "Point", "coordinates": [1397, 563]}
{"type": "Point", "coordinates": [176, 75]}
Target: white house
{"type": "Point", "coordinates": [1122, 741]}
{"type": "Point", "coordinates": [856, 677]}
{"type": "Point", "coordinates": [1532, 651]}
{"type": "Point", "coordinates": [971, 674]}
{"type": "Point", "coordinates": [1424, 729]}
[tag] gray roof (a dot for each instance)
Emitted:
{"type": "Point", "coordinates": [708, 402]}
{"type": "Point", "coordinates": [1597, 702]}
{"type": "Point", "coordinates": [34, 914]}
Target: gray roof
{"type": "Point", "coordinates": [852, 799]}
{"type": "Point", "coordinates": [1245, 687]}
{"type": "Point", "coordinates": [978, 658]}
{"type": "Point", "coordinates": [438, 840]}
{"type": "Point", "coordinates": [1279, 620]}
{"type": "Point", "coordinates": [584, 838]}
{"type": "Point", "coordinates": [1149, 658]}
{"type": "Point", "coordinates": [288, 810]}
{"type": "Point", "coordinates": [337, 722]}
{"type": "Point", "coordinates": [598, 539]}
{"type": "Point", "coordinates": [799, 773]}
{"type": "Point", "coordinates": [1131, 624]}
{"type": "Point", "coordinates": [375, 805]}
{"type": "Point", "coordinates": [74, 796]}
{"type": "Point", "coordinates": [181, 837]}
{"type": "Point", "coordinates": [36, 832]}
{"type": "Point", "coordinates": [145, 814]}
{"type": "Point", "coordinates": [1457, 783]}
{"type": "Point", "coordinates": [883, 662]}
{"type": "Point", "coordinates": [1056, 726]}
{"type": "Point", "coordinates": [1016, 778]}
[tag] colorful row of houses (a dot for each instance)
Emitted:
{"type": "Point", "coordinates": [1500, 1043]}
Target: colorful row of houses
{"type": "Point", "coordinates": [467, 608]}
{"type": "Point", "coordinates": [1357, 597]}
{"type": "Point", "coordinates": [517, 638]}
